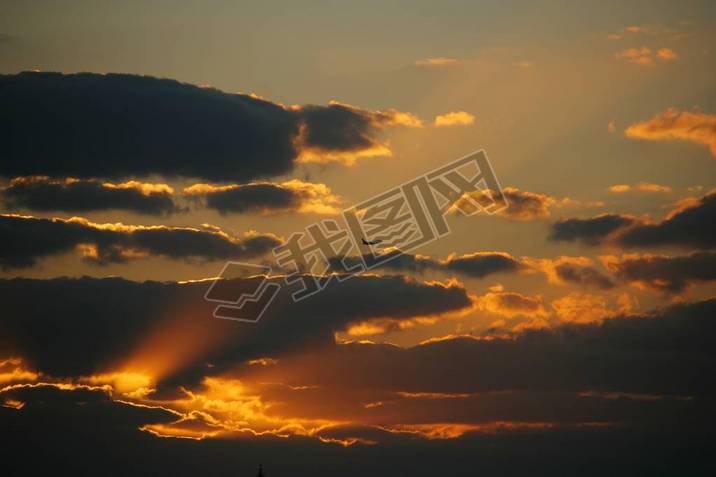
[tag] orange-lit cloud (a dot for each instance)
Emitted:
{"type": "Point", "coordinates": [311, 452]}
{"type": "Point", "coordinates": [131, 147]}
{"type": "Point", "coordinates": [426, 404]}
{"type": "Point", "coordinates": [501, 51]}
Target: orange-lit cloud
{"type": "Point", "coordinates": [666, 54]}
{"type": "Point", "coordinates": [263, 362]}
{"type": "Point", "coordinates": [645, 55]}
{"type": "Point", "coordinates": [581, 308]}
{"type": "Point", "coordinates": [522, 205]}
{"type": "Point", "coordinates": [639, 56]}
{"type": "Point", "coordinates": [12, 370]}
{"type": "Point", "coordinates": [454, 118]}
{"type": "Point", "coordinates": [641, 186]}
{"type": "Point", "coordinates": [129, 383]}
{"type": "Point", "coordinates": [570, 270]}
{"type": "Point", "coordinates": [511, 304]}
{"type": "Point", "coordinates": [437, 62]}
{"type": "Point", "coordinates": [673, 124]}
{"type": "Point", "coordinates": [455, 430]}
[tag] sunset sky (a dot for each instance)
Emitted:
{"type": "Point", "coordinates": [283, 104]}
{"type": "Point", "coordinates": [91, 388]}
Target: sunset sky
{"type": "Point", "coordinates": [143, 145]}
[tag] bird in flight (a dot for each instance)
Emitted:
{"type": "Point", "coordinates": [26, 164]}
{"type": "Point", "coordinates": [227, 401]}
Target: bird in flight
{"type": "Point", "coordinates": [370, 242]}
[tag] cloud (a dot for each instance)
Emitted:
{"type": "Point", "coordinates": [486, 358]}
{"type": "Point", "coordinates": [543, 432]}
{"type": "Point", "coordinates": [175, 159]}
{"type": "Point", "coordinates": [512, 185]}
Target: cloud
{"type": "Point", "coordinates": [267, 198]}
{"type": "Point", "coordinates": [644, 55]}
{"type": "Point", "coordinates": [454, 118]}
{"type": "Point", "coordinates": [673, 124]}
{"type": "Point", "coordinates": [522, 205]}
{"type": "Point", "coordinates": [481, 264]}
{"type": "Point", "coordinates": [664, 273]}
{"type": "Point", "coordinates": [666, 54]}
{"type": "Point", "coordinates": [621, 380]}
{"type": "Point", "coordinates": [619, 188]}
{"type": "Point", "coordinates": [582, 308]}
{"type": "Point", "coordinates": [86, 403]}
{"type": "Point", "coordinates": [13, 370]}
{"type": "Point", "coordinates": [570, 270]}
{"type": "Point", "coordinates": [26, 239]}
{"type": "Point", "coordinates": [641, 186]}
{"type": "Point", "coordinates": [42, 193]}
{"type": "Point", "coordinates": [118, 125]}
{"type": "Point", "coordinates": [690, 225]}
{"type": "Point", "coordinates": [560, 271]}
{"type": "Point", "coordinates": [474, 265]}
{"type": "Point", "coordinates": [437, 62]}
{"type": "Point", "coordinates": [157, 330]}
{"type": "Point", "coordinates": [639, 56]}
{"type": "Point", "coordinates": [590, 231]}
{"type": "Point", "coordinates": [619, 353]}
{"type": "Point", "coordinates": [640, 29]}
{"type": "Point", "coordinates": [511, 304]}
{"type": "Point", "coordinates": [344, 133]}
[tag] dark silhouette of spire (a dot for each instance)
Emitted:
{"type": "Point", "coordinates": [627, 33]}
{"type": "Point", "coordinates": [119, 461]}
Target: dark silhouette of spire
{"type": "Point", "coordinates": [261, 472]}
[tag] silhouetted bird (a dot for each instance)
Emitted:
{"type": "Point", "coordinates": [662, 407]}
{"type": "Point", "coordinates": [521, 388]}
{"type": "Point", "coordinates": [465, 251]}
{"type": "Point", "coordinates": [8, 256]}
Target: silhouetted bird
{"type": "Point", "coordinates": [372, 242]}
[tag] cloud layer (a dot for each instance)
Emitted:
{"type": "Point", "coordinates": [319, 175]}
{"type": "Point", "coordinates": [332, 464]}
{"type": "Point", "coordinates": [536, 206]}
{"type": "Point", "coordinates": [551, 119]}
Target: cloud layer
{"type": "Point", "coordinates": [42, 193]}
{"type": "Point", "coordinates": [673, 124]}
{"type": "Point", "coordinates": [119, 125]}
{"type": "Point", "coordinates": [689, 225]}
{"type": "Point", "coordinates": [267, 198]}
{"type": "Point", "coordinates": [27, 239]}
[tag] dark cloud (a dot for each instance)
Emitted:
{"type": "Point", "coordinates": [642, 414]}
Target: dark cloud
{"type": "Point", "coordinates": [663, 273]}
{"type": "Point", "coordinates": [475, 265]}
{"type": "Point", "coordinates": [87, 403]}
{"type": "Point", "coordinates": [619, 451]}
{"type": "Point", "coordinates": [118, 125]}
{"type": "Point", "coordinates": [540, 403]}
{"type": "Point", "coordinates": [691, 225]}
{"type": "Point", "coordinates": [583, 275]}
{"type": "Point", "coordinates": [670, 352]}
{"type": "Point", "coordinates": [340, 127]}
{"type": "Point", "coordinates": [589, 231]}
{"type": "Point", "coordinates": [266, 197]}
{"type": "Point", "coordinates": [95, 321]}
{"type": "Point", "coordinates": [249, 198]}
{"type": "Point", "coordinates": [28, 239]}
{"type": "Point", "coordinates": [42, 193]}
{"type": "Point", "coordinates": [525, 205]}
{"type": "Point", "coordinates": [481, 264]}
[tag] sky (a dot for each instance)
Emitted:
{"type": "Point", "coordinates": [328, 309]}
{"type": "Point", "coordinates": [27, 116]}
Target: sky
{"type": "Point", "coordinates": [144, 145]}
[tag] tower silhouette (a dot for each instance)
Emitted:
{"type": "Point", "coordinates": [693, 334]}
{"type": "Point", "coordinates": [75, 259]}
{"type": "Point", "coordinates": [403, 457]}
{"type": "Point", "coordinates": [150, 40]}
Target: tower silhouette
{"type": "Point", "coordinates": [261, 472]}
